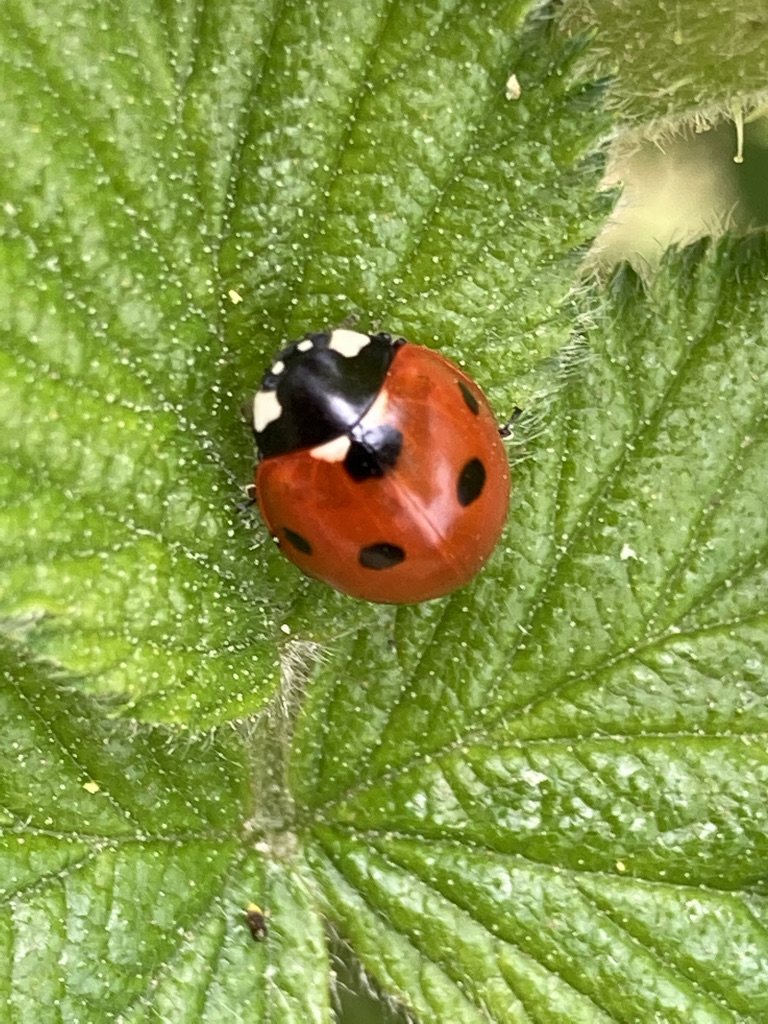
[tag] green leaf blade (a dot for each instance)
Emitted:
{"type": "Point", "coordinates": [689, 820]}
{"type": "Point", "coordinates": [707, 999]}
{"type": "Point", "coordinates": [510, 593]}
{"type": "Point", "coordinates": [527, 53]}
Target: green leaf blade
{"type": "Point", "coordinates": [540, 798]}
{"type": "Point", "coordinates": [614, 745]}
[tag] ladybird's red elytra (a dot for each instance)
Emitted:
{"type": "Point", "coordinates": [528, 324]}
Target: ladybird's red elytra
{"type": "Point", "coordinates": [381, 470]}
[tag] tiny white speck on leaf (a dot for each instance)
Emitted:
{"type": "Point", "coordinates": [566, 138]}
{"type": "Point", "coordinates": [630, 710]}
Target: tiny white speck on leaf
{"type": "Point", "coordinates": [513, 88]}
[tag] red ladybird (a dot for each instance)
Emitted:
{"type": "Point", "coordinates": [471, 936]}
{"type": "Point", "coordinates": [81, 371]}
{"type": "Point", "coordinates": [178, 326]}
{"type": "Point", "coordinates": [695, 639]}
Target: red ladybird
{"type": "Point", "coordinates": [381, 467]}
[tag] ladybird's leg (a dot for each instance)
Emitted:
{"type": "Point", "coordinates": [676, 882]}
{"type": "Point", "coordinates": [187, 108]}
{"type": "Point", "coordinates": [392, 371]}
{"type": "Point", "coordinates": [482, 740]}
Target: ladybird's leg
{"type": "Point", "coordinates": [249, 493]}
{"type": "Point", "coordinates": [505, 430]}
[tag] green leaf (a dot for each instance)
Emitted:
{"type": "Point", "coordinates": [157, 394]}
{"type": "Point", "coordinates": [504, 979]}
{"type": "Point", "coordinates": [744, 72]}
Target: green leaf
{"type": "Point", "coordinates": [567, 818]}
{"type": "Point", "coordinates": [543, 798]}
{"type": "Point", "coordinates": [125, 875]}
{"type": "Point", "coordinates": [310, 162]}
{"type": "Point", "coordinates": [585, 840]}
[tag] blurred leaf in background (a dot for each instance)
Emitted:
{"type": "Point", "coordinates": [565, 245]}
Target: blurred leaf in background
{"type": "Point", "coordinates": [688, 90]}
{"type": "Point", "coordinates": [541, 798]}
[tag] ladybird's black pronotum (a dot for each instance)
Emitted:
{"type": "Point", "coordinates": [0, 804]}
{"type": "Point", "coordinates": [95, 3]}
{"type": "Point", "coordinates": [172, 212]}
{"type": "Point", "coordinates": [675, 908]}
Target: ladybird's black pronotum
{"type": "Point", "coordinates": [381, 470]}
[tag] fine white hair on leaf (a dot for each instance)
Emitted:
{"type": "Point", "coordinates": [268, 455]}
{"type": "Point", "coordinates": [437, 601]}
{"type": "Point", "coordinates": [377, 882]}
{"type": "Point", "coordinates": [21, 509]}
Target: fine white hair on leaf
{"type": "Point", "coordinates": [267, 736]}
{"type": "Point", "coordinates": [349, 977]}
{"type": "Point", "coordinates": [298, 660]}
{"type": "Point", "coordinates": [552, 377]}
{"type": "Point", "coordinates": [573, 356]}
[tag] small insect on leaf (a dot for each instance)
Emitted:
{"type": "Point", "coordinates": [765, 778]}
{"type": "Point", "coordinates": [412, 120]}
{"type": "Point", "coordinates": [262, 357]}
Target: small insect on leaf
{"type": "Point", "coordinates": [254, 918]}
{"type": "Point", "coordinates": [381, 469]}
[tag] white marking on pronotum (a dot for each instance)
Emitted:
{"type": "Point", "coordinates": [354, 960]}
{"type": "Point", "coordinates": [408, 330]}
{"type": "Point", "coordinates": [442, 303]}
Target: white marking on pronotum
{"type": "Point", "coordinates": [332, 451]}
{"type": "Point", "coordinates": [278, 367]}
{"type": "Point", "coordinates": [377, 414]}
{"type": "Point", "coordinates": [266, 409]}
{"type": "Point", "coordinates": [348, 343]}
{"type": "Point", "coordinates": [306, 345]}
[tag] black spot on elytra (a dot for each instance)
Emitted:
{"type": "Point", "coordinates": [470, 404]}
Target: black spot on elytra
{"type": "Point", "coordinates": [381, 556]}
{"type": "Point", "coordinates": [374, 452]}
{"type": "Point", "coordinates": [469, 399]}
{"type": "Point", "coordinates": [471, 482]}
{"type": "Point", "coordinates": [296, 540]}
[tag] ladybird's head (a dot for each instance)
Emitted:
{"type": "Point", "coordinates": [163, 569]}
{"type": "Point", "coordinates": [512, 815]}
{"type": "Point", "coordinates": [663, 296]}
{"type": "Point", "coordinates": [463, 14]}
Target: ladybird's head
{"type": "Point", "coordinates": [319, 388]}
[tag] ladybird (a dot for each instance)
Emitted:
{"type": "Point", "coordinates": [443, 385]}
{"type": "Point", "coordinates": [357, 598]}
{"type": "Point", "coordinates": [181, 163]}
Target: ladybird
{"type": "Point", "coordinates": [381, 469]}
